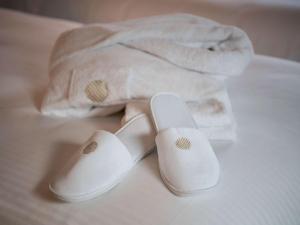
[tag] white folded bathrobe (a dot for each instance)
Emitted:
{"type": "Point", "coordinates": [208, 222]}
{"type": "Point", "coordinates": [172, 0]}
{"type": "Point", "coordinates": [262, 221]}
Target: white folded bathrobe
{"type": "Point", "coordinates": [99, 69]}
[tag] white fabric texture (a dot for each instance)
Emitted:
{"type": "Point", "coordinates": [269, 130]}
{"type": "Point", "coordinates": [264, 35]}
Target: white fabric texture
{"type": "Point", "coordinates": [91, 172]}
{"type": "Point", "coordinates": [260, 173]}
{"type": "Point", "coordinates": [135, 59]}
{"type": "Point", "coordinates": [187, 162]}
{"type": "Point", "coordinates": [186, 171]}
{"type": "Point", "coordinates": [103, 161]}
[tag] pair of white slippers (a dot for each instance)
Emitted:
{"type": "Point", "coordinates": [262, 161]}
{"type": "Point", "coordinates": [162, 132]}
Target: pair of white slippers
{"type": "Point", "coordinates": [187, 161]}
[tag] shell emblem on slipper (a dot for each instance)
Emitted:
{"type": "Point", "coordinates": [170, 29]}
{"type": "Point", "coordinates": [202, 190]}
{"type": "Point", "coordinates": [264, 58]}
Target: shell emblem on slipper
{"type": "Point", "coordinates": [183, 143]}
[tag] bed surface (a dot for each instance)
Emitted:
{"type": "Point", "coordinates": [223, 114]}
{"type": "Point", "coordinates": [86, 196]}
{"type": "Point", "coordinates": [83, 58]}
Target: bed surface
{"type": "Point", "coordinates": [260, 180]}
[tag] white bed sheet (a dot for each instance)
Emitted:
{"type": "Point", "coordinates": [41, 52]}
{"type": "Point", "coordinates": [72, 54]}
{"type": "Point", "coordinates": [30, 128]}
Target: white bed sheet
{"type": "Point", "coordinates": [260, 180]}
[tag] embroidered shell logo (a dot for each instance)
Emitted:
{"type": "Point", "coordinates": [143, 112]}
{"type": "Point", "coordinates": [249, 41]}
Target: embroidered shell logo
{"type": "Point", "coordinates": [90, 147]}
{"type": "Point", "coordinates": [96, 91]}
{"type": "Point", "coordinates": [183, 143]}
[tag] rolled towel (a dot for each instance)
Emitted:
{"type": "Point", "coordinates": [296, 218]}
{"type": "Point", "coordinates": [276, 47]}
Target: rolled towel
{"type": "Point", "coordinates": [98, 69]}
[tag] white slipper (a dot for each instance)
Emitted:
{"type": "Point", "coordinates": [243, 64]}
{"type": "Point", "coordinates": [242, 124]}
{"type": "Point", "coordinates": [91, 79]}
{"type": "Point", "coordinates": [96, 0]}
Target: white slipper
{"type": "Point", "coordinates": [102, 162]}
{"type": "Point", "coordinates": [187, 161]}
